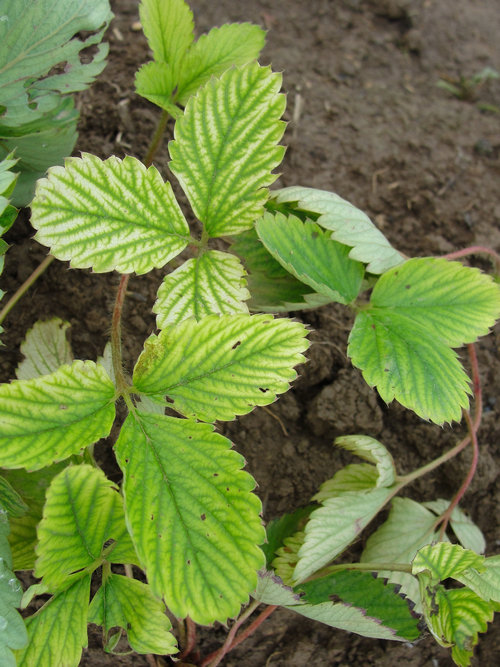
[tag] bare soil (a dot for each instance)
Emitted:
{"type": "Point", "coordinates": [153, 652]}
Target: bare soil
{"type": "Point", "coordinates": [366, 120]}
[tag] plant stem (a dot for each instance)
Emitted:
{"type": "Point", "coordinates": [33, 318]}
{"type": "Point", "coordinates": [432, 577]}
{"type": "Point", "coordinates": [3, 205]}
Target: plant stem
{"type": "Point", "coordinates": [253, 625]}
{"type": "Point", "coordinates": [116, 339]}
{"type": "Point", "coordinates": [189, 640]}
{"type": "Point", "coordinates": [215, 658]}
{"type": "Point", "coordinates": [25, 287]}
{"type": "Point", "coordinates": [156, 140]}
{"type": "Point", "coordinates": [474, 250]}
{"type": "Point", "coordinates": [445, 517]}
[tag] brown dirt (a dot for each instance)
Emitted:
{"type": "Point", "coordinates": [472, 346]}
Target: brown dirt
{"type": "Point", "coordinates": [368, 122]}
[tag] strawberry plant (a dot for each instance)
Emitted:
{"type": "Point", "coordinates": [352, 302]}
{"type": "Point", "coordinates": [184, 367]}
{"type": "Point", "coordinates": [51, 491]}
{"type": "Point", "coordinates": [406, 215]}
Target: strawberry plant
{"type": "Point", "coordinates": [183, 529]}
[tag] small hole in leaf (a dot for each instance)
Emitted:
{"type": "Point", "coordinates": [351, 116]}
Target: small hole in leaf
{"type": "Point", "coordinates": [203, 517]}
{"type": "Point", "coordinates": [188, 562]}
{"type": "Point", "coordinates": [263, 390]}
{"type": "Point", "coordinates": [238, 342]}
{"type": "Point", "coordinates": [108, 543]}
{"type": "Point", "coordinates": [169, 400]}
{"type": "Point", "coordinates": [152, 517]}
{"type": "Point", "coordinates": [216, 474]}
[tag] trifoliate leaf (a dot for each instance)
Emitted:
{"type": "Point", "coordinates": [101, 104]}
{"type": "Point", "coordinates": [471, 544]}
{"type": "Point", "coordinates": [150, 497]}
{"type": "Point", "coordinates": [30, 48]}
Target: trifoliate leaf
{"type": "Point", "coordinates": [402, 341]}
{"type": "Point", "coordinates": [228, 46]}
{"type": "Point", "coordinates": [168, 26]}
{"type": "Point", "coordinates": [155, 81]}
{"type": "Point", "coordinates": [193, 518]}
{"type": "Point", "coordinates": [47, 419]}
{"type": "Point", "coordinates": [371, 450]}
{"type": "Point", "coordinates": [272, 288]}
{"type": "Point", "coordinates": [443, 560]}
{"type": "Point", "coordinates": [109, 215]}
{"type": "Point", "coordinates": [58, 631]}
{"type": "Point", "coordinates": [486, 584]}
{"type": "Point", "coordinates": [13, 633]}
{"type": "Point", "coordinates": [225, 147]}
{"type": "Point", "coordinates": [468, 534]}
{"type": "Point", "coordinates": [336, 524]}
{"type": "Point", "coordinates": [349, 225]}
{"type": "Point", "coordinates": [40, 53]}
{"type": "Point", "coordinates": [359, 589]}
{"type": "Point", "coordinates": [212, 283]}
{"type": "Point", "coordinates": [83, 512]}
{"type": "Point", "coordinates": [130, 604]}
{"type": "Point", "coordinates": [45, 349]}
{"type": "Point", "coordinates": [353, 477]}
{"type": "Point", "coordinates": [271, 590]}
{"type": "Point", "coordinates": [222, 366]}
{"type": "Point", "coordinates": [305, 250]}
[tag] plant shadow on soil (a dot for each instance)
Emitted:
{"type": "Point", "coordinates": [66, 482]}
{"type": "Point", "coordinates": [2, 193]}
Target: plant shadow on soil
{"type": "Point", "coordinates": [367, 121]}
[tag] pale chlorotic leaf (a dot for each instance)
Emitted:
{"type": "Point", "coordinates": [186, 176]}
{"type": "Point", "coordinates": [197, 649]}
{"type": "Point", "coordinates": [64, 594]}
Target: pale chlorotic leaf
{"type": "Point", "coordinates": [343, 616]}
{"type": "Point", "coordinates": [168, 26]}
{"type": "Point", "coordinates": [443, 560]}
{"type": "Point", "coordinates": [193, 518]}
{"type": "Point", "coordinates": [32, 487]}
{"type": "Point", "coordinates": [45, 349]}
{"type": "Point", "coordinates": [222, 366]}
{"type": "Point", "coordinates": [468, 534]}
{"type": "Point", "coordinates": [402, 341]}
{"type": "Point", "coordinates": [130, 604]}
{"type": "Point", "coordinates": [82, 513]}
{"type": "Point", "coordinates": [353, 477]}
{"type": "Point", "coordinates": [58, 631]}
{"type": "Point", "coordinates": [485, 584]}
{"type": "Point", "coordinates": [47, 419]}
{"type": "Point", "coordinates": [155, 81]}
{"type": "Point", "coordinates": [13, 633]}
{"type": "Point", "coordinates": [212, 283]}
{"type": "Point", "coordinates": [272, 288]}
{"type": "Point", "coordinates": [308, 253]}
{"type": "Point", "coordinates": [456, 304]}
{"type": "Point", "coordinates": [39, 145]}
{"type": "Point", "coordinates": [332, 527]}
{"type": "Point", "coordinates": [371, 450]}
{"type": "Point", "coordinates": [349, 225]}
{"type": "Point", "coordinates": [408, 528]}
{"type": "Point", "coordinates": [230, 45]}
{"type": "Point", "coordinates": [7, 212]}
{"type": "Point", "coordinates": [106, 361]}
{"type": "Point", "coordinates": [226, 146]}
{"type": "Point", "coordinates": [378, 599]}
{"type": "Point", "coordinates": [31, 76]}
{"type": "Point", "coordinates": [109, 215]}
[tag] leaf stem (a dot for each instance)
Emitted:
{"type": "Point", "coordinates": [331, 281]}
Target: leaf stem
{"type": "Point", "coordinates": [156, 139]}
{"type": "Point", "coordinates": [474, 250]}
{"type": "Point", "coordinates": [116, 339]}
{"type": "Point", "coordinates": [25, 287]}
{"type": "Point", "coordinates": [189, 638]}
{"type": "Point", "coordinates": [215, 658]}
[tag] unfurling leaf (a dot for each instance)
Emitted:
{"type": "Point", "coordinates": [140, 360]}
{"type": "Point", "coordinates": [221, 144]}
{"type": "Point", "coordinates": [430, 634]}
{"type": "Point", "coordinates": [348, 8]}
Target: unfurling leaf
{"type": "Point", "coordinates": [45, 348]}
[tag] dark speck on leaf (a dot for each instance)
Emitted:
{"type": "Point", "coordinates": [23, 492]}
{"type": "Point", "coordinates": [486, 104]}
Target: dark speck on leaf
{"type": "Point", "coordinates": [203, 517]}
{"type": "Point", "coordinates": [407, 286]}
{"type": "Point", "coordinates": [263, 390]}
{"type": "Point", "coordinates": [63, 407]}
{"type": "Point", "coordinates": [238, 342]}
{"type": "Point", "coordinates": [373, 326]}
{"type": "Point", "coordinates": [189, 562]}
{"type": "Point", "coordinates": [169, 400]}
{"type": "Point", "coordinates": [152, 517]}
{"type": "Point", "coordinates": [315, 235]}
{"type": "Point", "coordinates": [216, 474]}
